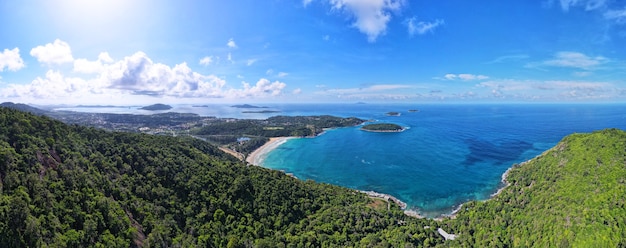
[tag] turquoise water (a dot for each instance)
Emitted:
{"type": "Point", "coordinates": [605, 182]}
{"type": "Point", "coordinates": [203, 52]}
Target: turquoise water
{"type": "Point", "coordinates": [449, 154]}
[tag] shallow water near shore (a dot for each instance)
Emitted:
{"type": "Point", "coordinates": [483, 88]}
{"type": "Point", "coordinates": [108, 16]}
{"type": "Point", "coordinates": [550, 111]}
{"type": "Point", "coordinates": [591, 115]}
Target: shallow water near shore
{"type": "Point", "coordinates": [450, 154]}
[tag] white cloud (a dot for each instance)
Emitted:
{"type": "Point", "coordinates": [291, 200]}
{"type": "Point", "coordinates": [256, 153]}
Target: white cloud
{"type": "Point", "coordinates": [11, 60]}
{"type": "Point", "coordinates": [138, 74]}
{"type": "Point", "coordinates": [618, 16]}
{"type": "Point", "coordinates": [587, 4]}
{"type": "Point", "coordinates": [582, 73]}
{"type": "Point", "coordinates": [134, 77]}
{"type": "Point", "coordinates": [86, 66]}
{"type": "Point", "coordinates": [421, 27]}
{"type": "Point", "coordinates": [574, 60]}
{"type": "Point", "coordinates": [296, 91]}
{"type": "Point", "coordinates": [251, 61]}
{"type": "Point", "coordinates": [229, 57]}
{"type": "Point", "coordinates": [282, 74]}
{"type": "Point", "coordinates": [269, 72]}
{"type": "Point", "coordinates": [53, 86]}
{"type": "Point", "coordinates": [105, 57]}
{"type": "Point", "coordinates": [262, 88]}
{"type": "Point", "coordinates": [57, 52]}
{"type": "Point", "coordinates": [508, 58]}
{"type": "Point", "coordinates": [326, 37]}
{"type": "Point", "coordinates": [231, 43]}
{"type": "Point", "coordinates": [370, 16]}
{"type": "Point", "coordinates": [306, 2]}
{"type": "Point", "coordinates": [552, 90]}
{"type": "Point", "coordinates": [464, 77]}
{"type": "Point", "coordinates": [206, 60]}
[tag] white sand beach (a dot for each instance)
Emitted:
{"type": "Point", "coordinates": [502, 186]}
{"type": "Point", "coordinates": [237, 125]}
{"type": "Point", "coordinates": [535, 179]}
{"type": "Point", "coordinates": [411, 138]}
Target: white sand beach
{"type": "Point", "coordinates": [257, 156]}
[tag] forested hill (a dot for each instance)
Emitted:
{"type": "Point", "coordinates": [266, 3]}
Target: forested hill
{"type": "Point", "coordinates": [574, 195]}
{"type": "Point", "coordinates": [73, 186]}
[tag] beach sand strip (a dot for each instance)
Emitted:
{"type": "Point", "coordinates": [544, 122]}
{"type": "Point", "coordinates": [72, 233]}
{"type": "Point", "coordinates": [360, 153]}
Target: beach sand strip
{"type": "Point", "coordinates": [257, 156]}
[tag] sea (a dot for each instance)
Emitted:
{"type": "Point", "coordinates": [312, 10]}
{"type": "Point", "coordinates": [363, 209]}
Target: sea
{"type": "Point", "coordinates": [449, 154]}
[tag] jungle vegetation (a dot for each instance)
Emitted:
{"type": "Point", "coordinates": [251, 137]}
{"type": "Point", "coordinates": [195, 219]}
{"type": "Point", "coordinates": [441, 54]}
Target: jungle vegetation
{"type": "Point", "coordinates": [74, 186]}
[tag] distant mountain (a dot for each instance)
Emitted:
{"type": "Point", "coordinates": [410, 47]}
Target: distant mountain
{"type": "Point", "coordinates": [23, 107]}
{"type": "Point", "coordinates": [246, 106]}
{"type": "Point", "coordinates": [158, 106]}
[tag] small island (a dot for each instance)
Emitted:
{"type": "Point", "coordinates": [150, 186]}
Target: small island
{"type": "Point", "coordinates": [260, 112]}
{"type": "Point", "coordinates": [246, 106]}
{"type": "Point", "coordinates": [393, 113]}
{"type": "Point", "coordinates": [383, 128]}
{"type": "Point", "coordinates": [158, 106]}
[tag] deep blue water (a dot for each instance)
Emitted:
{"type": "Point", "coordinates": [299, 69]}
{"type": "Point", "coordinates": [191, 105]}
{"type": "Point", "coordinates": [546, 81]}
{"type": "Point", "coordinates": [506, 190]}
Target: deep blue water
{"type": "Point", "coordinates": [449, 155]}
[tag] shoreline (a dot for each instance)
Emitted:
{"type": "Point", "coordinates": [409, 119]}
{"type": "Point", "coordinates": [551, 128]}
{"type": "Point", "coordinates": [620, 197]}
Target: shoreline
{"type": "Point", "coordinates": [502, 188]}
{"type": "Point", "coordinates": [256, 157]}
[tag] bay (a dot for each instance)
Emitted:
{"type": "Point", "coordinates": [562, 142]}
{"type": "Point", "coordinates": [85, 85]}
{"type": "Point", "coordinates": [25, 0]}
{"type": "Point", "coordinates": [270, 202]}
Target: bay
{"type": "Point", "coordinates": [450, 154]}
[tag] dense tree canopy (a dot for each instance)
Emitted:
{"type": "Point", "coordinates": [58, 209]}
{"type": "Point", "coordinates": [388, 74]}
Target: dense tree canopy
{"type": "Point", "coordinates": [74, 186]}
{"type": "Point", "coordinates": [77, 186]}
{"type": "Point", "coordinates": [572, 195]}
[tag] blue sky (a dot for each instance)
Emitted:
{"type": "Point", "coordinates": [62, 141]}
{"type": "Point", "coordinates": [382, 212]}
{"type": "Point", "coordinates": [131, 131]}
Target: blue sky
{"type": "Point", "coordinates": [145, 51]}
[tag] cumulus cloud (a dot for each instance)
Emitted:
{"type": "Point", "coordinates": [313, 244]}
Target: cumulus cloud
{"type": "Point", "coordinates": [414, 27]}
{"type": "Point", "coordinates": [11, 60]}
{"type": "Point", "coordinates": [464, 77]}
{"type": "Point", "coordinates": [370, 16]}
{"type": "Point", "coordinates": [58, 52]}
{"type": "Point", "coordinates": [206, 60]}
{"type": "Point", "coordinates": [572, 60]}
{"type": "Point", "coordinates": [53, 86]}
{"type": "Point", "coordinates": [138, 76]}
{"type": "Point", "coordinates": [86, 66]}
{"type": "Point", "coordinates": [231, 43]}
{"type": "Point", "coordinates": [262, 88]}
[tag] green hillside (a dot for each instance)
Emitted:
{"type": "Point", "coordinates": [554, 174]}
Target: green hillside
{"type": "Point", "coordinates": [73, 186]}
{"type": "Point", "coordinates": [574, 195]}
